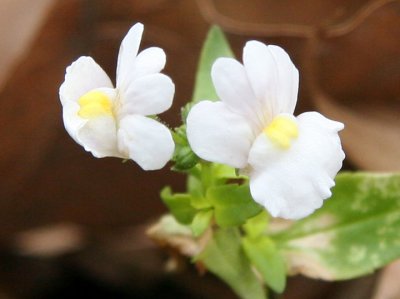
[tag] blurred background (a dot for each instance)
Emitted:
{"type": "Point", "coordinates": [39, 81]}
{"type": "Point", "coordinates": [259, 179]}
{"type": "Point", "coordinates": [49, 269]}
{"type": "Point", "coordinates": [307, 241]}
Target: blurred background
{"type": "Point", "coordinates": [73, 225]}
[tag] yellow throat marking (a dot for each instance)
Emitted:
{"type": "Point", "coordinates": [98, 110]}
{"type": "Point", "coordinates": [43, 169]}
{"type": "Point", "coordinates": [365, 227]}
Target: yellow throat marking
{"type": "Point", "coordinates": [282, 130]}
{"type": "Point", "coordinates": [93, 104]}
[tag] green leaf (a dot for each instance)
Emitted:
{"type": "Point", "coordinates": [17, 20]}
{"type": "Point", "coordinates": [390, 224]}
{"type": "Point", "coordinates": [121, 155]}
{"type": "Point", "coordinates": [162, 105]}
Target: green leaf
{"type": "Point", "coordinates": [257, 226]}
{"type": "Point", "coordinates": [354, 233]}
{"type": "Point", "coordinates": [214, 47]}
{"type": "Point", "coordinates": [224, 257]}
{"type": "Point", "coordinates": [233, 204]}
{"type": "Point", "coordinates": [179, 205]}
{"type": "Point", "coordinates": [200, 202]}
{"type": "Point", "coordinates": [264, 255]}
{"type": "Point", "coordinates": [201, 222]}
{"type": "Point", "coordinates": [195, 188]}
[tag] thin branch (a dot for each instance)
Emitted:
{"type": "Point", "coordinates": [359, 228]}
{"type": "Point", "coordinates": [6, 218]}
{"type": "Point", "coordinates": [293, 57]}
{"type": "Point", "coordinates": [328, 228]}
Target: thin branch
{"type": "Point", "coordinates": [360, 16]}
{"type": "Point", "coordinates": [211, 14]}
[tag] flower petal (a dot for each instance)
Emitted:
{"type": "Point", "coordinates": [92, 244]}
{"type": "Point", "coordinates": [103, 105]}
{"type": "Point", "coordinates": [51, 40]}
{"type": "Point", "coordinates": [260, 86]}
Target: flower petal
{"type": "Point", "coordinates": [99, 136]}
{"type": "Point", "coordinates": [146, 141]}
{"type": "Point", "coordinates": [293, 183]}
{"type": "Point", "coordinates": [127, 54]}
{"type": "Point", "coordinates": [149, 61]}
{"type": "Point", "coordinates": [72, 122]}
{"type": "Point", "coordinates": [233, 88]}
{"type": "Point", "coordinates": [82, 76]}
{"type": "Point", "coordinates": [262, 74]}
{"type": "Point", "coordinates": [217, 134]}
{"type": "Point", "coordinates": [288, 80]}
{"type": "Point", "coordinates": [151, 94]}
{"type": "Point", "coordinates": [272, 76]}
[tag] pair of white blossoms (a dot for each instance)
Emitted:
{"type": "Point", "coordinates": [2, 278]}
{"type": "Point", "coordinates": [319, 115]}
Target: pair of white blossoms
{"type": "Point", "coordinates": [291, 161]}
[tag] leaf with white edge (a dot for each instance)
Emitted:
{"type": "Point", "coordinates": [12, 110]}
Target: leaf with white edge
{"type": "Point", "coordinates": [233, 204]}
{"type": "Point", "coordinates": [179, 205]}
{"type": "Point", "coordinates": [224, 257]}
{"type": "Point", "coordinates": [201, 222]}
{"type": "Point", "coordinates": [266, 258]}
{"type": "Point", "coordinates": [167, 231]}
{"type": "Point", "coordinates": [354, 233]}
{"type": "Point", "coordinates": [167, 225]}
{"type": "Point", "coordinates": [215, 46]}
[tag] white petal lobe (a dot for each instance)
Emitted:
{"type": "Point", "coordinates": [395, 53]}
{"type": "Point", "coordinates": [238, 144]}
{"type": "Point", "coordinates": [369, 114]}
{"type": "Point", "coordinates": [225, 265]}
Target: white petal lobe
{"type": "Point", "coordinates": [72, 122]}
{"type": "Point", "coordinates": [127, 54]}
{"type": "Point", "coordinates": [233, 88]}
{"type": "Point", "coordinates": [293, 183]}
{"type": "Point", "coordinates": [151, 94]}
{"type": "Point", "coordinates": [82, 76]}
{"type": "Point", "coordinates": [146, 141]}
{"type": "Point", "coordinates": [288, 80]}
{"type": "Point", "coordinates": [217, 134]}
{"type": "Point", "coordinates": [273, 77]}
{"type": "Point", "coordinates": [99, 136]}
{"type": "Point", "coordinates": [149, 61]}
{"type": "Point", "coordinates": [262, 73]}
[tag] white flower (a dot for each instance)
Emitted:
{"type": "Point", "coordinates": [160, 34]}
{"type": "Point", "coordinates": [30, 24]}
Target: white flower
{"type": "Point", "coordinates": [291, 161]}
{"type": "Point", "coordinates": [110, 121]}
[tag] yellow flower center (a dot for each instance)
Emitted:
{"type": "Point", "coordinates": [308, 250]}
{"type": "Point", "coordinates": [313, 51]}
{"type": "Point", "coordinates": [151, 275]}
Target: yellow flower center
{"type": "Point", "coordinates": [93, 104]}
{"type": "Point", "coordinates": [282, 130]}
